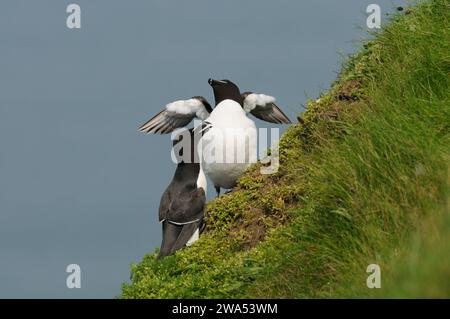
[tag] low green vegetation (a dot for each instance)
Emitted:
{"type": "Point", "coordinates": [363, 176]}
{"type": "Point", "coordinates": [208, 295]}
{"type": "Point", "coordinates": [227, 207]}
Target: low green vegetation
{"type": "Point", "coordinates": [363, 178]}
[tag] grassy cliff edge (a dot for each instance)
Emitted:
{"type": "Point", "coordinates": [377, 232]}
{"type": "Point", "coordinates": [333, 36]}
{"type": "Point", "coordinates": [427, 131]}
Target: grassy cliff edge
{"type": "Point", "coordinates": [363, 178]}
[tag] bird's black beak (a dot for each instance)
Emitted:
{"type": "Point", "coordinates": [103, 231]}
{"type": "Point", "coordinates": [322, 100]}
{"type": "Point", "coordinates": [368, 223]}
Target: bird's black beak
{"type": "Point", "coordinates": [213, 82]}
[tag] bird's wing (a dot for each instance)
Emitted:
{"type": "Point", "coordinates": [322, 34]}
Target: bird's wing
{"type": "Point", "coordinates": [164, 205]}
{"type": "Point", "coordinates": [187, 207]}
{"type": "Point", "coordinates": [177, 114]}
{"type": "Point", "coordinates": [263, 107]}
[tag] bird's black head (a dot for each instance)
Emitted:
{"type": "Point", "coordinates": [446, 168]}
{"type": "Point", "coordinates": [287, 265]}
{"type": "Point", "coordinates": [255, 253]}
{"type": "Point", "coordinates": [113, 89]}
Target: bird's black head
{"type": "Point", "coordinates": [225, 90]}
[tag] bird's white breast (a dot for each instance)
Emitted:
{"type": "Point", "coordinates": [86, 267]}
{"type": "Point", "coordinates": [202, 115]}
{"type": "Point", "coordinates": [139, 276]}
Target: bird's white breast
{"type": "Point", "coordinates": [229, 147]}
{"type": "Point", "coordinates": [229, 114]}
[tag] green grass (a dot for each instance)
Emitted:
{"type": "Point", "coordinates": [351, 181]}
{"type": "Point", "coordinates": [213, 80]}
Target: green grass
{"type": "Point", "coordinates": [364, 178]}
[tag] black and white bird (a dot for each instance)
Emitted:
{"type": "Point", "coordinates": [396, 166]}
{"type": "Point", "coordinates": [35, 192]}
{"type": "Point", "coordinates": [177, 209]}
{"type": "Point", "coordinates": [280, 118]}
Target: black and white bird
{"type": "Point", "coordinates": [228, 145]}
{"type": "Point", "coordinates": [181, 209]}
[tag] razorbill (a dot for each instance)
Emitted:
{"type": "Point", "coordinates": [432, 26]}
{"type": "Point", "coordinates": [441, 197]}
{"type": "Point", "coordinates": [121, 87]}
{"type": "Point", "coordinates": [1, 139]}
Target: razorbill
{"type": "Point", "coordinates": [228, 145]}
{"type": "Point", "coordinates": [230, 131]}
{"type": "Point", "coordinates": [182, 204]}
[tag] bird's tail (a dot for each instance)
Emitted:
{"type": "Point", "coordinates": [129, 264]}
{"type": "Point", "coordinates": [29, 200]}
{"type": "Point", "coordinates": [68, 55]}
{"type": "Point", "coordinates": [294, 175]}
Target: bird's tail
{"type": "Point", "coordinates": [175, 237]}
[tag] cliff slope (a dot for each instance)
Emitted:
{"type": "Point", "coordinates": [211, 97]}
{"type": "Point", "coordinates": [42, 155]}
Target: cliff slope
{"type": "Point", "coordinates": [363, 179]}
